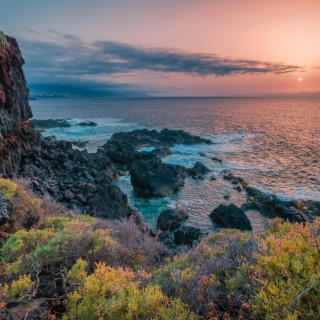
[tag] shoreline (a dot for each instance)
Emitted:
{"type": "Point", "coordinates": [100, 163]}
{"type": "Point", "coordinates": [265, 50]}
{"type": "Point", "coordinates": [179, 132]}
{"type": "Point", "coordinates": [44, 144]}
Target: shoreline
{"type": "Point", "coordinates": [119, 155]}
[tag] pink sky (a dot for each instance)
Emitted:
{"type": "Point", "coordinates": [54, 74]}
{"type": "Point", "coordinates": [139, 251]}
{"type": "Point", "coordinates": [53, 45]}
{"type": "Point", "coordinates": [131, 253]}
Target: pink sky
{"type": "Point", "coordinates": [281, 31]}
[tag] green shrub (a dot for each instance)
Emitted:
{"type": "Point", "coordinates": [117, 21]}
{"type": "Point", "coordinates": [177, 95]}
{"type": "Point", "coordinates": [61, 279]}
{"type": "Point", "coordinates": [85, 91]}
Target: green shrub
{"type": "Point", "coordinates": [287, 273]}
{"type": "Point", "coordinates": [7, 187]}
{"type": "Point", "coordinates": [120, 294]}
{"type": "Point", "coordinates": [3, 40]}
{"type": "Point", "coordinates": [72, 239]}
{"type": "Point", "coordinates": [17, 288]}
{"type": "Point", "coordinates": [210, 277]}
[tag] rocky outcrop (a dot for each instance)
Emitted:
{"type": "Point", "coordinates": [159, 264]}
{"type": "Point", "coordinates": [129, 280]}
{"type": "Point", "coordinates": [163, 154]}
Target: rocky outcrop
{"type": "Point", "coordinates": [87, 124]}
{"type": "Point", "coordinates": [198, 170]}
{"type": "Point", "coordinates": [17, 136]}
{"type": "Point", "coordinates": [171, 219]}
{"type": "Point", "coordinates": [231, 217]}
{"type": "Point", "coordinates": [123, 147]}
{"type": "Point", "coordinates": [154, 178]}
{"type": "Point", "coordinates": [50, 123]}
{"type": "Point", "coordinates": [77, 179]}
{"type": "Point", "coordinates": [271, 206]}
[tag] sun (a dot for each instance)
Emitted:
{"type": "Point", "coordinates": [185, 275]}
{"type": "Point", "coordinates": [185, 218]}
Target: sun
{"type": "Point", "coordinates": [300, 79]}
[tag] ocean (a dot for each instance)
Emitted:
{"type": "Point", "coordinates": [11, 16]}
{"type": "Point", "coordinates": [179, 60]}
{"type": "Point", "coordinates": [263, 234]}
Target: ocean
{"type": "Point", "coordinates": [273, 143]}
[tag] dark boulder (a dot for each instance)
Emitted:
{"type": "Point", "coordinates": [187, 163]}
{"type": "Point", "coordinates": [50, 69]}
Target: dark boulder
{"type": "Point", "coordinates": [87, 124]}
{"type": "Point", "coordinates": [155, 178]}
{"type": "Point", "coordinates": [109, 202]}
{"type": "Point", "coordinates": [50, 123]}
{"type": "Point", "coordinates": [216, 159]}
{"type": "Point", "coordinates": [198, 170]}
{"type": "Point", "coordinates": [271, 206]}
{"type": "Point", "coordinates": [172, 137]}
{"type": "Point", "coordinates": [171, 219]}
{"type": "Point", "coordinates": [230, 216]}
{"type": "Point", "coordinates": [122, 152]}
{"type": "Point", "coordinates": [187, 235]}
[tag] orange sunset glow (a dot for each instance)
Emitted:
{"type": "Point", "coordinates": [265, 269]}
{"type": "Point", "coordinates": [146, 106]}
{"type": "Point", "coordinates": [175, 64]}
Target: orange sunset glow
{"type": "Point", "coordinates": [272, 32]}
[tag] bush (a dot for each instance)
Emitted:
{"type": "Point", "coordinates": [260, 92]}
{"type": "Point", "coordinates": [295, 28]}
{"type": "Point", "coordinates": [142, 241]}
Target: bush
{"type": "Point", "coordinates": [138, 249]}
{"type": "Point", "coordinates": [3, 40]}
{"type": "Point", "coordinates": [7, 187]}
{"type": "Point", "coordinates": [24, 209]}
{"type": "Point", "coordinates": [17, 289]}
{"type": "Point", "coordinates": [110, 293]}
{"type": "Point", "coordinates": [288, 272]}
{"type": "Point", "coordinates": [56, 247]}
{"type": "Point", "coordinates": [60, 241]}
{"type": "Point", "coordinates": [210, 278]}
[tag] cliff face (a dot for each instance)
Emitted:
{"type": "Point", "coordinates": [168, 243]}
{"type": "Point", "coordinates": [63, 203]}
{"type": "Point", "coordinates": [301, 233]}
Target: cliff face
{"type": "Point", "coordinates": [17, 135]}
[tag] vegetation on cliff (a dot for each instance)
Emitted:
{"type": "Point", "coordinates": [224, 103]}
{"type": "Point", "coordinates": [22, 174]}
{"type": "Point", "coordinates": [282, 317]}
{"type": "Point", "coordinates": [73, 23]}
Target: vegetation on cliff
{"type": "Point", "coordinates": [3, 40]}
{"type": "Point", "coordinates": [81, 267]}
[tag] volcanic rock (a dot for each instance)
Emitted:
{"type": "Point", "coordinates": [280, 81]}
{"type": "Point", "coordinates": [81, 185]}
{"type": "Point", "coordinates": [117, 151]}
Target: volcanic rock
{"type": "Point", "coordinates": [17, 136]}
{"type": "Point", "coordinates": [171, 219]}
{"type": "Point", "coordinates": [272, 207]}
{"type": "Point", "coordinates": [230, 216]}
{"type": "Point", "coordinates": [50, 123]}
{"type": "Point", "coordinates": [87, 124]}
{"type": "Point", "coordinates": [154, 178]}
{"type": "Point", "coordinates": [198, 170]}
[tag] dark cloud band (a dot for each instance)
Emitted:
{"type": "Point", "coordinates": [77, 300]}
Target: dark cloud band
{"type": "Point", "coordinates": [69, 58]}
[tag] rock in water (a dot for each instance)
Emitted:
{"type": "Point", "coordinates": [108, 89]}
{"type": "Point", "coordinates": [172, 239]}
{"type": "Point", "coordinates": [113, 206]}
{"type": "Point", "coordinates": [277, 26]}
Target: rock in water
{"type": "Point", "coordinates": [87, 124]}
{"type": "Point", "coordinates": [271, 206]}
{"type": "Point", "coordinates": [230, 216]}
{"type": "Point", "coordinates": [198, 170]}
{"type": "Point", "coordinates": [17, 135]}
{"type": "Point", "coordinates": [50, 123]}
{"type": "Point", "coordinates": [171, 219]}
{"type": "Point", "coordinates": [154, 178]}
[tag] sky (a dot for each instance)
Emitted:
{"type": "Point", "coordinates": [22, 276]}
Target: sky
{"type": "Point", "coordinates": [170, 47]}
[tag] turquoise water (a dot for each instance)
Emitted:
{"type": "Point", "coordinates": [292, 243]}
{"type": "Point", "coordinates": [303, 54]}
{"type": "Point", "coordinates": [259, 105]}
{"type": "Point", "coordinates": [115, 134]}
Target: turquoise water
{"type": "Point", "coordinates": [273, 143]}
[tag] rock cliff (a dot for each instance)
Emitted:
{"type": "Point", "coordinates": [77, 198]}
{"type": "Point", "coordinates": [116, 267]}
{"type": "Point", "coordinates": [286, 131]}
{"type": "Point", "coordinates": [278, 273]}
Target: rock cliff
{"type": "Point", "coordinates": [17, 135]}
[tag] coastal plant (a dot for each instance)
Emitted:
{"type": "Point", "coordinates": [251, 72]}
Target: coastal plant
{"type": "Point", "coordinates": [19, 288]}
{"type": "Point", "coordinates": [287, 273]}
{"type": "Point", "coordinates": [139, 249]}
{"type": "Point", "coordinates": [62, 246]}
{"type": "Point", "coordinates": [117, 293]}
{"type": "Point", "coordinates": [24, 208]}
{"type": "Point", "coordinates": [210, 278]}
{"type": "Point", "coordinates": [3, 40]}
{"type": "Point", "coordinates": [59, 241]}
{"type": "Point", "coordinates": [7, 187]}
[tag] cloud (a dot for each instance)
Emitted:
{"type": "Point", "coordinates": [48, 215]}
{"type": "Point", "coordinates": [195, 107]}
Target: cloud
{"type": "Point", "coordinates": [66, 58]}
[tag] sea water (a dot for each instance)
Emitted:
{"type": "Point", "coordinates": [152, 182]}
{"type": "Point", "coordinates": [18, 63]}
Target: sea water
{"type": "Point", "coordinates": [274, 144]}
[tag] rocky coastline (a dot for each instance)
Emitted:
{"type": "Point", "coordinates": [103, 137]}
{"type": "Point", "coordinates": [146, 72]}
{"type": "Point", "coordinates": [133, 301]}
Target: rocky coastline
{"type": "Point", "coordinates": [85, 182]}
{"type": "Point", "coordinates": [49, 247]}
